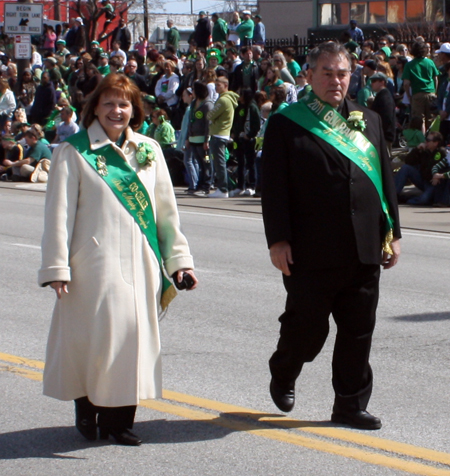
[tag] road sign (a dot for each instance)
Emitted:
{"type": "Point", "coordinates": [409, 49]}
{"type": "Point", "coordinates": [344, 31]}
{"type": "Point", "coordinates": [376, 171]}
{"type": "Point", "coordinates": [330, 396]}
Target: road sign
{"type": "Point", "coordinates": [23, 18]}
{"type": "Point", "coordinates": [22, 46]}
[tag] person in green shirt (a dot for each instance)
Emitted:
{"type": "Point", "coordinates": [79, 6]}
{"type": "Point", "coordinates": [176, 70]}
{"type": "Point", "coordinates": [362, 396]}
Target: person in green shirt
{"type": "Point", "coordinates": [164, 132]}
{"type": "Point", "coordinates": [292, 65]}
{"type": "Point", "coordinates": [103, 66]}
{"type": "Point", "coordinates": [420, 82]}
{"type": "Point", "coordinates": [173, 35]}
{"type": "Point", "coordinates": [220, 29]}
{"type": "Point", "coordinates": [245, 28]}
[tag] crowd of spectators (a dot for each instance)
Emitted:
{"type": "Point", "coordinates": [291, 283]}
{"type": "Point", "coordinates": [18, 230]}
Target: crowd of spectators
{"type": "Point", "coordinates": [212, 101]}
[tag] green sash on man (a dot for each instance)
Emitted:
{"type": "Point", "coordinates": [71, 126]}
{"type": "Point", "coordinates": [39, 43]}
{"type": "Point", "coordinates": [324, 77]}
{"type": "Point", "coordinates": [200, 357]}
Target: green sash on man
{"type": "Point", "coordinates": [128, 188]}
{"type": "Point", "coordinates": [321, 119]}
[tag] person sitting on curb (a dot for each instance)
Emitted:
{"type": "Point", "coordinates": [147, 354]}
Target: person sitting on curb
{"type": "Point", "coordinates": [13, 157]}
{"type": "Point", "coordinates": [418, 169]}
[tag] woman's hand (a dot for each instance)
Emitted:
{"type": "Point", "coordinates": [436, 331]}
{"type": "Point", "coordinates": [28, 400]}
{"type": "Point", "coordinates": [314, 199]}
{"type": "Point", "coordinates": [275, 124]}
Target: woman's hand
{"type": "Point", "coordinates": [59, 287]}
{"type": "Point", "coordinates": [179, 277]}
{"type": "Point", "coordinates": [436, 179]}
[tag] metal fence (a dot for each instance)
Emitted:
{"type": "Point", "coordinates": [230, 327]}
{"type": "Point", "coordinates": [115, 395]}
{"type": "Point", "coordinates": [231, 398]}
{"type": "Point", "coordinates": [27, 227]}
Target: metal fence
{"type": "Point", "coordinates": [303, 45]}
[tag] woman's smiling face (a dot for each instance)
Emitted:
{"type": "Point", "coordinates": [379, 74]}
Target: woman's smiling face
{"type": "Point", "coordinates": [114, 113]}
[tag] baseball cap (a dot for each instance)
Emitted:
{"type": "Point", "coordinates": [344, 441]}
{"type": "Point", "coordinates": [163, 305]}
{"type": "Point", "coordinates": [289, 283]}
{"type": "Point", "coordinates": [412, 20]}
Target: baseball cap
{"type": "Point", "coordinates": [79, 20]}
{"type": "Point", "coordinates": [370, 64]}
{"type": "Point", "coordinates": [444, 48]}
{"type": "Point", "coordinates": [378, 76]}
{"type": "Point", "coordinates": [246, 12]}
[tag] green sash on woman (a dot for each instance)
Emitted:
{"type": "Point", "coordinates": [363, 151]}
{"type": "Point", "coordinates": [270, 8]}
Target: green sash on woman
{"type": "Point", "coordinates": [325, 122]}
{"type": "Point", "coordinates": [128, 188]}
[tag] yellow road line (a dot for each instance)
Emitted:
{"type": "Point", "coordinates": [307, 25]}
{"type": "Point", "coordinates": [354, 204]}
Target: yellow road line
{"type": "Point", "coordinates": [314, 428]}
{"type": "Point", "coordinates": [14, 359]}
{"type": "Point", "coordinates": [275, 434]}
{"type": "Point", "coordinates": [31, 374]}
{"type": "Point", "coordinates": [298, 440]}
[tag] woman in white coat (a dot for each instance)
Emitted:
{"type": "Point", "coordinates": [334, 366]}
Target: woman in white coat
{"type": "Point", "coordinates": [111, 230]}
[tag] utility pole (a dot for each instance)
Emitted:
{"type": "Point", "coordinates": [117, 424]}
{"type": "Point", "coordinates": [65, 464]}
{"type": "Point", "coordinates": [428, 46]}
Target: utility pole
{"type": "Point", "coordinates": [146, 19]}
{"type": "Point", "coordinates": [57, 9]}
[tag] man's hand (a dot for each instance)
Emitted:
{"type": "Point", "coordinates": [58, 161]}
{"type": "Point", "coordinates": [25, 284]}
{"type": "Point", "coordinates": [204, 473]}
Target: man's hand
{"type": "Point", "coordinates": [281, 256]}
{"type": "Point", "coordinates": [59, 287]}
{"type": "Point", "coordinates": [436, 179]}
{"type": "Point", "coordinates": [391, 260]}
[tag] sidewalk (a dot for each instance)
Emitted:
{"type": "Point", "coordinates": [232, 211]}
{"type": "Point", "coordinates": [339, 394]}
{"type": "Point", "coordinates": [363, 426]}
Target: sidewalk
{"type": "Point", "coordinates": [417, 218]}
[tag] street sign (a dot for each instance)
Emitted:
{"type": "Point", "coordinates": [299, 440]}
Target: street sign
{"type": "Point", "coordinates": [22, 46]}
{"type": "Point", "coordinates": [23, 18]}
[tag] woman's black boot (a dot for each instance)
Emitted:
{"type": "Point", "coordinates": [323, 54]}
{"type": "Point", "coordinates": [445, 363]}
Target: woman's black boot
{"type": "Point", "coordinates": [86, 418]}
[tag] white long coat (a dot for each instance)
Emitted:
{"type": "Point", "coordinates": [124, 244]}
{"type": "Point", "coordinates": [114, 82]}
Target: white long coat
{"type": "Point", "coordinates": [104, 337]}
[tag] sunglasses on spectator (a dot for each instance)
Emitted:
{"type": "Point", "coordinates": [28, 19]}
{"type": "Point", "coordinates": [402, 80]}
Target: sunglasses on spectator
{"type": "Point", "coordinates": [382, 43]}
{"type": "Point", "coordinates": [431, 140]}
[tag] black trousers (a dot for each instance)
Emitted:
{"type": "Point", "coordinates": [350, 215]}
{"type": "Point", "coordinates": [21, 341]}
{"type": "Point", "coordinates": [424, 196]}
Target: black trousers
{"type": "Point", "coordinates": [350, 294]}
{"type": "Point", "coordinates": [113, 418]}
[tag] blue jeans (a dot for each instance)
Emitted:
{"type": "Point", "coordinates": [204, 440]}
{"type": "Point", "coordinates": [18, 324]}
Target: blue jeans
{"type": "Point", "coordinates": [192, 168]}
{"type": "Point", "coordinates": [205, 175]}
{"type": "Point", "coordinates": [409, 172]}
{"type": "Point", "coordinates": [218, 147]}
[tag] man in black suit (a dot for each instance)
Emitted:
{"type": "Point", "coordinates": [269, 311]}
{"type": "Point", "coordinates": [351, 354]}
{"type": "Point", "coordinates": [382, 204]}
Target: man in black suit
{"type": "Point", "coordinates": [328, 228]}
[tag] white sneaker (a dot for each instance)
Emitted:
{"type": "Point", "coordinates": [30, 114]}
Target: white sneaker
{"type": "Point", "coordinates": [218, 194]}
{"type": "Point", "coordinates": [248, 192]}
{"type": "Point", "coordinates": [235, 192]}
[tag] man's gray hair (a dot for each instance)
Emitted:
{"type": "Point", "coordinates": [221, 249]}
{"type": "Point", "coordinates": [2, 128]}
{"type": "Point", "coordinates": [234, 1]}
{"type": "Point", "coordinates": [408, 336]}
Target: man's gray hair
{"type": "Point", "coordinates": [329, 48]}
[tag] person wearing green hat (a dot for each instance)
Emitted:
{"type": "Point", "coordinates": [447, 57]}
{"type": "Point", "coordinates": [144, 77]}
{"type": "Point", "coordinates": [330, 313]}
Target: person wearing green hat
{"type": "Point", "coordinates": [103, 66]}
{"type": "Point", "coordinates": [214, 58]}
{"type": "Point", "coordinates": [61, 49]}
{"type": "Point", "coordinates": [220, 29]}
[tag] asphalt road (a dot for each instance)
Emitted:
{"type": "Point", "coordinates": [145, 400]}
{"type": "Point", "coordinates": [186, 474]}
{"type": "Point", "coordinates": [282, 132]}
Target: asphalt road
{"type": "Point", "coordinates": [217, 417]}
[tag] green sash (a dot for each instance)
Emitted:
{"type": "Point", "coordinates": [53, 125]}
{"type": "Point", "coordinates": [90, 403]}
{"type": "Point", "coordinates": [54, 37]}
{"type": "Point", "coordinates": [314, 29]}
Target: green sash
{"type": "Point", "coordinates": [128, 188]}
{"type": "Point", "coordinates": [325, 122]}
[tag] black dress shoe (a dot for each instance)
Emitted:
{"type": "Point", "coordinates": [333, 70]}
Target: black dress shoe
{"type": "Point", "coordinates": [357, 419]}
{"type": "Point", "coordinates": [282, 395]}
{"type": "Point", "coordinates": [123, 437]}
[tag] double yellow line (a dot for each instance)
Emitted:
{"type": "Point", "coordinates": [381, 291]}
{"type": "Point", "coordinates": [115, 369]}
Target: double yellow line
{"type": "Point", "coordinates": [314, 436]}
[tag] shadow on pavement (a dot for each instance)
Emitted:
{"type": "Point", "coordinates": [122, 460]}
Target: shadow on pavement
{"type": "Point", "coordinates": [263, 420]}
{"type": "Point", "coordinates": [429, 317]}
{"type": "Point", "coordinates": [53, 442]}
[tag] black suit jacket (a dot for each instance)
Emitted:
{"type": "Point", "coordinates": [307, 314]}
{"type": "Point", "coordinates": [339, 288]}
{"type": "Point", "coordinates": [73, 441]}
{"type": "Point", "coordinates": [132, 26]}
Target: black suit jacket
{"type": "Point", "coordinates": [318, 200]}
{"type": "Point", "coordinates": [384, 105]}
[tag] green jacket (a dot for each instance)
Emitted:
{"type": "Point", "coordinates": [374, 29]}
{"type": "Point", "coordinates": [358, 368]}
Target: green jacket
{"type": "Point", "coordinates": [245, 29]}
{"type": "Point", "coordinates": [165, 135]}
{"type": "Point", "coordinates": [173, 37]}
{"type": "Point", "coordinates": [220, 30]}
{"type": "Point", "coordinates": [221, 116]}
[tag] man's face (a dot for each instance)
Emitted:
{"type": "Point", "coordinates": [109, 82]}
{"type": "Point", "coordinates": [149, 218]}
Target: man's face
{"type": "Point", "coordinates": [248, 56]}
{"type": "Point", "coordinates": [377, 85]}
{"type": "Point", "coordinates": [330, 79]}
{"type": "Point", "coordinates": [431, 144]}
{"type": "Point", "coordinates": [131, 68]}
{"type": "Point", "coordinates": [220, 87]}
{"type": "Point", "coordinates": [213, 62]}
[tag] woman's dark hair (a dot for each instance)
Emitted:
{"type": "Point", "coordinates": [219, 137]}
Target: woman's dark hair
{"type": "Point", "coordinates": [153, 55]}
{"type": "Point", "coordinates": [278, 94]}
{"type": "Point", "coordinates": [122, 86]}
{"type": "Point", "coordinates": [200, 90]}
{"type": "Point", "coordinates": [260, 98]}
